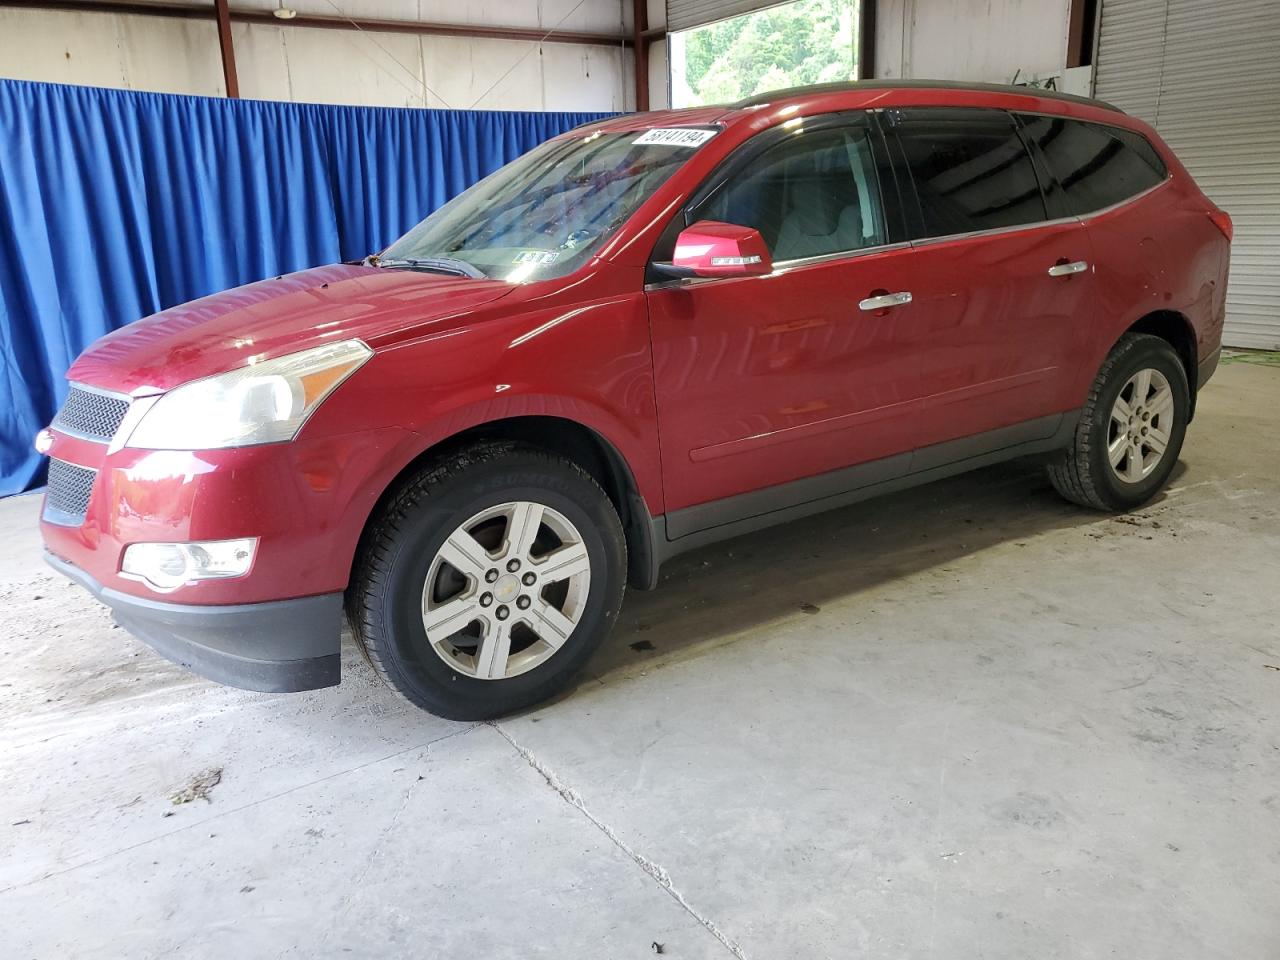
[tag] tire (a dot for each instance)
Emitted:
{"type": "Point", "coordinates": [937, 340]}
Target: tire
{"type": "Point", "coordinates": [486, 495]}
{"type": "Point", "coordinates": [1084, 472]}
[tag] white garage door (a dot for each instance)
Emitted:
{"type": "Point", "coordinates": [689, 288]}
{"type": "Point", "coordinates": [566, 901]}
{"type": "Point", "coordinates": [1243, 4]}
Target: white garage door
{"type": "Point", "coordinates": [685, 14]}
{"type": "Point", "coordinates": [1204, 75]}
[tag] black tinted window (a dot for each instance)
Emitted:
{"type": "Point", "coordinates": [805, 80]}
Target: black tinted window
{"type": "Point", "coordinates": [812, 194]}
{"type": "Point", "coordinates": [1096, 165]}
{"type": "Point", "coordinates": [970, 174]}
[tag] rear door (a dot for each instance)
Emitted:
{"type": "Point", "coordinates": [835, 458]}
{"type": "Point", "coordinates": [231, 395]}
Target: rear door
{"type": "Point", "coordinates": [1005, 291]}
{"type": "Point", "coordinates": [1147, 242]}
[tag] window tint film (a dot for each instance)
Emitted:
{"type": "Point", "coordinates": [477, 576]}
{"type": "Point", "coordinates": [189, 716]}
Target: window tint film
{"type": "Point", "coordinates": [813, 194]}
{"type": "Point", "coordinates": [970, 174]}
{"type": "Point", "coordinates": [1096, 165]}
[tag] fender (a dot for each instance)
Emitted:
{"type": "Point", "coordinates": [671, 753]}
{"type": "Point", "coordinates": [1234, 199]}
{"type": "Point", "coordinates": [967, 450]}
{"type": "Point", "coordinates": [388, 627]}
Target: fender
{"type": "Point", "coordinates": [511, 417]}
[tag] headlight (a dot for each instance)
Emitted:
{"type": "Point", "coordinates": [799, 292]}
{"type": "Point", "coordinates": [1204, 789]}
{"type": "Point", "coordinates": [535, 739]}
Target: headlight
{"type": "Point", "coordinates": [261, 403]}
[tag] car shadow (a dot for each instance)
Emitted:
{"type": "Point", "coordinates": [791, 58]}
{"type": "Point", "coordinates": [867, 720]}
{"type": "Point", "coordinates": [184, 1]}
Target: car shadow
{"type": "Point", "coordinates": [718, 593]}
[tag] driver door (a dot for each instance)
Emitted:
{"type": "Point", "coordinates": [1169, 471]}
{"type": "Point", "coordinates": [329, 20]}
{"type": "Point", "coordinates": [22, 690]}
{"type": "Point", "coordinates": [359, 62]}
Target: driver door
{"type": "Point", "coordinates": [782, 389]}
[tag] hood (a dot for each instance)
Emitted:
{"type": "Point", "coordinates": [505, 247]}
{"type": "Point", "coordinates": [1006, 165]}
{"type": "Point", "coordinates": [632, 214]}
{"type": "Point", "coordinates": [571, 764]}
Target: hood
{"type": "Point", "coordinates": [275, 317]}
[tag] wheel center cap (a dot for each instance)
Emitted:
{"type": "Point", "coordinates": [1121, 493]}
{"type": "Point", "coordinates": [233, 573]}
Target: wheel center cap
{"type": "Point", "coordinates": [507, 588]}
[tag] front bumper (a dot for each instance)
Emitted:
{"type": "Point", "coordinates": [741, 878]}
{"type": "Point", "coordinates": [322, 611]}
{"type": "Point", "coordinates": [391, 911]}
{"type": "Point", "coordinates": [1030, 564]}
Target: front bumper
{"type": "Point", "coordinates": [277, 646]}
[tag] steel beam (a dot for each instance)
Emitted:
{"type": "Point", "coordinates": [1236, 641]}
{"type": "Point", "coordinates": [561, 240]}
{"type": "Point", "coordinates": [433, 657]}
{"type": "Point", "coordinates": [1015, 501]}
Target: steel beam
{"type": "Point", "coordinates": [222, 14]}
{"type": "Point", "coordinates": [640, 47]}
{"type": "Point", "coordinates": [206, 11]}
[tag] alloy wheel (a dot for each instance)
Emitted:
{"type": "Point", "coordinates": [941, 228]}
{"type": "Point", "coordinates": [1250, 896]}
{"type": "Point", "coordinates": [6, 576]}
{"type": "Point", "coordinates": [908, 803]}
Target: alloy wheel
{"type": "Point", "coordinates": [506, 590]}
{"type": "Point", "coordinates": [1141, 425]}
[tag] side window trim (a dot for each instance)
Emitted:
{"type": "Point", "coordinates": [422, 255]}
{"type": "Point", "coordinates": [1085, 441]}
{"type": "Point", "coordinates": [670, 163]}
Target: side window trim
{"type": "Point", "coordinates": [995, 231]}
{"type": "Point", "coordinates": [1093, 214]}
{"type": "Point", "coordinates": [745, 153]}
{"type": "Point", "coordinates": [1055, 199]}
{"type": "Point", "coordinates": [908, 215]}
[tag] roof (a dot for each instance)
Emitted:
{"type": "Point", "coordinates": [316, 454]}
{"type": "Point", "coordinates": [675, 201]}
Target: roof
{"type": "Point", "coordinates": [680, 117]}
{"type": "Point", "coordinates": [720, 114]}
{"type": "Point", "coordinates": [855, 86]}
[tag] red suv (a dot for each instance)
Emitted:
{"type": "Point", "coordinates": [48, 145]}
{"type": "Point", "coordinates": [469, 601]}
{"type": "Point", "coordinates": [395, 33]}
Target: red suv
{"type": "Point", "coordinates": [644, 336]}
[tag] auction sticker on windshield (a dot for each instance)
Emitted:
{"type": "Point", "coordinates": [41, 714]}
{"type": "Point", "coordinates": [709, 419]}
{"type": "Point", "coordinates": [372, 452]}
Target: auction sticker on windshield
{"type": "Point", "coordinates": [675, 137]}
{"type": "Point", "coordinates": [536, 256]}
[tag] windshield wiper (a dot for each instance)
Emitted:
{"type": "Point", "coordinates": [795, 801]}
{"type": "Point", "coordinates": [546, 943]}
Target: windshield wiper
{"type": "Point", "coordinates": [449, 265]}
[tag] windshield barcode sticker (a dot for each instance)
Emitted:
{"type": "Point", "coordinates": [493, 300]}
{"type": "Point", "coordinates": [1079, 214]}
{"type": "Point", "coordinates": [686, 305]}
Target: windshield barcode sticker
{"type": "Point", "coordinates": [675, 137]}
{"type": "Point", "coordinates": [540, 257]}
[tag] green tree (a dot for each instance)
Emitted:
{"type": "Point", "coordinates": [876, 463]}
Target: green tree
{"type": "Point", "coordinates": [774, 78]}
{"type": "Point", "coordinates": [806, 41]}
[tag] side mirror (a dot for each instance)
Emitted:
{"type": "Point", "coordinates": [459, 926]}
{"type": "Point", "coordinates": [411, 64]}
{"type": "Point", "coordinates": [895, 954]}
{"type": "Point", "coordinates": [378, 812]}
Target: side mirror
{"type": "Point", "coordinates": [713, 249]}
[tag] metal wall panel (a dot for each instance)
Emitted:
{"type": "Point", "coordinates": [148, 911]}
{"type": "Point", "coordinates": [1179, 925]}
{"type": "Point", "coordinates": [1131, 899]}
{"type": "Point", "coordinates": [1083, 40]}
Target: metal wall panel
{"type": "Point", "coordinates": [683, 14]}
{"type": "Point", "coordinates": [307, 64]}
{"type": "Point", "coordinates": [1203, 75]}
{"type": "Point", "coordinates": [987, 40]}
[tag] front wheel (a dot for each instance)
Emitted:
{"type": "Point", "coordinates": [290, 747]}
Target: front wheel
{"type": "Point", "coordinates": [488, 580]}
{"type": "Point", "coordinates": [1131, 428]}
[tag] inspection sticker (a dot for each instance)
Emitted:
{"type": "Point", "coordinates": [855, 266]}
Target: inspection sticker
{"type": "Point", "coordinates": [675, 137]}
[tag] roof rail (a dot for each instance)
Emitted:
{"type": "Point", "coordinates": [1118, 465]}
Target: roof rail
{"type": "Point", "coordinates": [856, 85]}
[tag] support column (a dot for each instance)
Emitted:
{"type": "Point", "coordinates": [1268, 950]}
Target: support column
{"type": "Point", "coordinates": [223, 14]}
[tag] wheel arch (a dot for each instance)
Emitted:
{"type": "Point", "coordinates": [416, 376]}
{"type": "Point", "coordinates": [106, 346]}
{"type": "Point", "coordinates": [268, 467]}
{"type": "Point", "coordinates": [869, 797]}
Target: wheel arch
{"type": "Point", "coordinates": [1176, 330]}
{"type": "Point", "coordinates": [574, 441]}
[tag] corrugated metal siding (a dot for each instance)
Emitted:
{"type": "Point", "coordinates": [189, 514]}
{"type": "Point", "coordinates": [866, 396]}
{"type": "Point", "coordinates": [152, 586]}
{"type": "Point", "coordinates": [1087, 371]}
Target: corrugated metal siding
{"type": "Point", "coordinates": [1203, 75]}
{"type": "Point", "coordinates": [683, 14]}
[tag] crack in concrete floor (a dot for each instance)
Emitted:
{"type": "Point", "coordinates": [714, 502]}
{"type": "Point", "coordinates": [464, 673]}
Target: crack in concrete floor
{"type": "Point", "coordinates": [654, 870]}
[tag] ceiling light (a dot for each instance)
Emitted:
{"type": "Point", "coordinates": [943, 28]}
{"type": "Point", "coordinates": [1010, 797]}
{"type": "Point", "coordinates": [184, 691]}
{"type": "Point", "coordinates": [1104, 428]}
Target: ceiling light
{"type": "Point", "coordinates": [284, 13]}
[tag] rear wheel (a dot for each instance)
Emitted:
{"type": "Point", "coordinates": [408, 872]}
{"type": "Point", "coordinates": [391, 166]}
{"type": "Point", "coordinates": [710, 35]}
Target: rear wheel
{"type": "Point", "coordinates": [488, 580]}
{"type": "Point", "coordinates": [1131, 428]}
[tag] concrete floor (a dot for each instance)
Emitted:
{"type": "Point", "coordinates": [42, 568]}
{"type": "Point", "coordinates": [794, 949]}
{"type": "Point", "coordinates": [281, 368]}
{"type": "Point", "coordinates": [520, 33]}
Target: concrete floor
{"type": "Point", "coordinates": [965, 721]}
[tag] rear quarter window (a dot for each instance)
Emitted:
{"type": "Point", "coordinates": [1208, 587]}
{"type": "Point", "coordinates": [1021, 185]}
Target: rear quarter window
{"type": "Point", "coordinates": [1096, 165]}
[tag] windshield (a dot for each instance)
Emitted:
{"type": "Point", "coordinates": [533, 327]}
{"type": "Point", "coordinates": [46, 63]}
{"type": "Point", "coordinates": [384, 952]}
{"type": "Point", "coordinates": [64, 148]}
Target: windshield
{"type": "Point", "coordinates": [544, 214]}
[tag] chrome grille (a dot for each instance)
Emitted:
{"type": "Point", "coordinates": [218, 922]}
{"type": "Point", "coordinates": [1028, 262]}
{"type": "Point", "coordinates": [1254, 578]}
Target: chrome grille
{"type": "Point", "coordinates": [67, 498]}
{"type": "Point", "coordinates": [90, 414]}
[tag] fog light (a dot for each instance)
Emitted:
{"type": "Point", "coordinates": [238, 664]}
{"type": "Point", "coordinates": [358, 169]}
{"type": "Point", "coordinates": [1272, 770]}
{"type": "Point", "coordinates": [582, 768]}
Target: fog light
{"type": "Point", "coordinates": [167, 566]}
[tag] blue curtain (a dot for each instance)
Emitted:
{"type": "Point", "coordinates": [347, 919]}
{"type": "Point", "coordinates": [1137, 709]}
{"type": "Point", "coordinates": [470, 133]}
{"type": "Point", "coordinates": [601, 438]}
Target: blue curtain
{"type": "Point", "coordinates": [114, 205]}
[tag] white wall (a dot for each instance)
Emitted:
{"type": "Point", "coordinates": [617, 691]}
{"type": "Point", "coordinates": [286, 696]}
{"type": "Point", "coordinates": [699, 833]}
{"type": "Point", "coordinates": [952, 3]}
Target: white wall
{"type": "Point", "coordinates": [337, 66]}
{"type": "Point", "coordinates": [979, 40]}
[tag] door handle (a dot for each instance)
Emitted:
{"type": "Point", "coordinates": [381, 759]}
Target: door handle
{"type": "Point", "coordinates": [885, 300]}
{"type": "Point", "coordinates": [1066, 269]}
